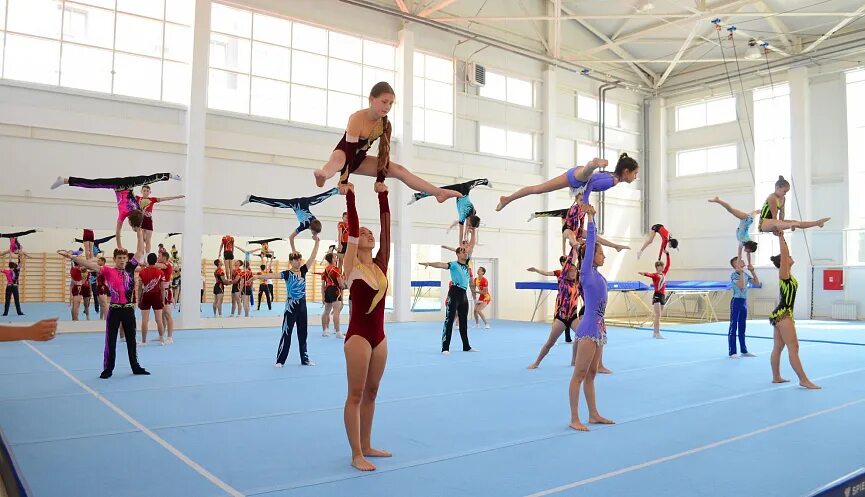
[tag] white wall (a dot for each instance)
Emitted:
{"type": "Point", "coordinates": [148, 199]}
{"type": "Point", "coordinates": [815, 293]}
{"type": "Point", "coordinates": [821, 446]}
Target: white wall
{"type": "Point", "coordinates": [46, 132]}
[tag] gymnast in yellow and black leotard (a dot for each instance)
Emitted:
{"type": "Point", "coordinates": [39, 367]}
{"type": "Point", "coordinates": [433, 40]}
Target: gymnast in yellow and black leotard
{"type": "Point", "coordinates": [772, 213]}
{"type": "Point", "coordinates": [782, 319]}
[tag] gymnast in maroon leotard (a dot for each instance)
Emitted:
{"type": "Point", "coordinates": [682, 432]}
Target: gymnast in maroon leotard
{"type": "Point", "coordinates": [365, 127]}
{"type": "Point", "coordinates": [365, 343]}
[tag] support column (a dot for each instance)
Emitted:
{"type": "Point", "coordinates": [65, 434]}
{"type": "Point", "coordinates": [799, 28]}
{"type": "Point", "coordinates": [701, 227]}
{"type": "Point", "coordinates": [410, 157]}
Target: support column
{"type": "Point", "coordinates": [657, 195]}
{"type": "Point", "coordinates": [799, 199]}
{"type": "Point", "coordinates": [552, 228]}
{"type": "Point", "coordinates": [405, 155]}
{"type": "Point", "coordinates": [193, 178]}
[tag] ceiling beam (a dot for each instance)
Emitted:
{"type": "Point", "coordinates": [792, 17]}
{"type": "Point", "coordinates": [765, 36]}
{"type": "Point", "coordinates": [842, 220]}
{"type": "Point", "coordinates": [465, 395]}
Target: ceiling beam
{"type": "Point", "coordinates": [832, 31]}
{"type": "Point", "coordinates": [742, 33]}
{"type": "Point", "coordinates": [778, 25]}
{"type": "Point", "coordinates": [667, 24]}
{"type": "Point", "coordinates": [590, 17]}
{"type": "Point", "coordinates": [647, 75]}
{"type": "Point", "coordinates": [401, 5]}
{"type": "Point", "coordinates": [444, 3]}
{"type": "Point", "coordinates": [667, 60]}
{"type": "Point", "coordinates": [679, 54]}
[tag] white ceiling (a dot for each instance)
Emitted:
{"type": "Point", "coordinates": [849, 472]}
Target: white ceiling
{"type": "Point", "coordinates": [672, 44]}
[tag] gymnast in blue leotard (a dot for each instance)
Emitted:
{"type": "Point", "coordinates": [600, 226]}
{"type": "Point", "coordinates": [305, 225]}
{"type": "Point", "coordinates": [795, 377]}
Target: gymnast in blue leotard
{"type": "Point", "coordinates": [591, 334]}
{"type": "Point", "coordinates": [581, 180]}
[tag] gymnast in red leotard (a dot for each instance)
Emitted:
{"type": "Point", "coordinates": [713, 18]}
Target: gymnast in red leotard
{"type": "Point", "coordinates": [365, 343]}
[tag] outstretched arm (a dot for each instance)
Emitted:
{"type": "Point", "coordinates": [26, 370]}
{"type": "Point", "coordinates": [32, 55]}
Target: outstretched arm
{"type": "Point", "coordinates": [540, 271]}
{"type": "Point", "coordinates": [437, 265]}
{"type": "Point", "coordinates": [667, 265]}
{"type": "Point", "coordinates": [82, 261]}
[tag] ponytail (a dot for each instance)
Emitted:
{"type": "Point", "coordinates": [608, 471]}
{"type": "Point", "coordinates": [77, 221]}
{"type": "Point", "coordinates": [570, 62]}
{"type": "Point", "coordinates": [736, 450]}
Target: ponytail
{"type": "Point", "coordinates": [384, 148]}
{"type": "Point", "coordinates": [782, 183]}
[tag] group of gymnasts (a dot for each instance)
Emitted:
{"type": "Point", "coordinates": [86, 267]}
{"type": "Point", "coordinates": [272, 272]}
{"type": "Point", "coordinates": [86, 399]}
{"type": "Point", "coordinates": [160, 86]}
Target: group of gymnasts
{"type": "Point", "coordinates": [117, 281]}
{"type": "Point", "coordinates": [354, 266]}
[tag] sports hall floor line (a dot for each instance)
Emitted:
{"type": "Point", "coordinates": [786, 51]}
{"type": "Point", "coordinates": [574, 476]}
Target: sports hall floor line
{"type": "Point", "coordinates": [153, 436]}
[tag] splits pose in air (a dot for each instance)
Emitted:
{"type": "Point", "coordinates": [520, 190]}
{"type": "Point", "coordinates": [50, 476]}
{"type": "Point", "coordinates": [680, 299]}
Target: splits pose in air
{"type": "Point", "coordinates": [581, 180]}
{"type": "Point", "coordinates": [364, 128]}
{"type": "Point", "coordinates": [128, 206]}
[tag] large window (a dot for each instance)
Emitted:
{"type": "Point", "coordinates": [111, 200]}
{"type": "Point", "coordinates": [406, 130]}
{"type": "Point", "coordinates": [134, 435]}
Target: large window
{"type": "Point", "coordinates": [856, 145]}
{"type": "Point", "coordinates": [771, 154]}
{"type": "Point", "coordinates": [706, 113]}
{"type": "Point", "coordinates": [771, 139]}
{"type": "Point", "coordinates": [855, 153]}
{"type": "Point", "coordinates": [706, 160]}
{"type": "Point", "coordinates": [272, 67]}
{"type": "Point", "coordinates": [508, 89]}
{"type": "Point", "coordinates": [433, 100]}
{"type": "Point", "coordinates": [498, 141]}
{"type": "Point", "coordinates": [587, 108]}
{"type": "Point", "coordinates": [125, 47]}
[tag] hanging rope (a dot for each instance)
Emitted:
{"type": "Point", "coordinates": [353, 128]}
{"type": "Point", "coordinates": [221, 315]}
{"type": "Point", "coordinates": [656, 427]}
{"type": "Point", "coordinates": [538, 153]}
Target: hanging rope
{"type": "Point", "coordinates": [717, 23]}
{"type": "Point", "coordinates": [792, 183]}
{"type": "Point", "coordinates": [731, 30]}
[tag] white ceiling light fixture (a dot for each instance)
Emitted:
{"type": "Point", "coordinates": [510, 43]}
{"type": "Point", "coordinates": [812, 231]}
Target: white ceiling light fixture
{"type": "Point", "coordinates": [753, 52]}
{"type": "Point", "coordinates": [644, 6]}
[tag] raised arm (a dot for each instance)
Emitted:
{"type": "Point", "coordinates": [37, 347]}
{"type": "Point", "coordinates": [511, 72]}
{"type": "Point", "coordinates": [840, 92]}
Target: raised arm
{"type": "Point", "coordinates": [437, 265]}
{"type": "Point", "coordinates": [591, 237]}
{"type": "Point", "coordinates": [473, 239]}
{"type": "Point", "coordinates": [667, 265]}
{"type": "Point", "coordinates": [383, 255]}
{"type": "Point", "coordinates": [309, 262]}
{"type": "Point", "coordinates": [754, 279]}
{"type": "Point", "coordinates": [784, 270]}
{"type": "Point", "coordinates": [291, 238]}
{"type": "Point", "coordinates": [353, 230]}
{"type": "Point", "coordinates": [221, 245]}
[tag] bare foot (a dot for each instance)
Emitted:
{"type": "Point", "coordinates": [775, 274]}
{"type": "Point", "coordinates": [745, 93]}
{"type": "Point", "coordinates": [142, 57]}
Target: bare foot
{"type": "Point", "coordinates": [503, 202]}
{"type": "Point", "coordinates": [807, 384]}
{"type": "Point", "coordinates": [823, 221]}
{"type": "Point", "coordinates": [362, 464]}
{"type": "Point", "coordinates": [780, 380]}
{"type": "Point", "coordinates": [658, 336]}
{"type": "Point", "coordinates": [604, 370]}
{"type": "Point", "coordinates": [577, 425]}
{"type": "Point", "coordinates": [600, 420]}
{"type": "Point", "coordinates": [619, 248]}
{"type": "Point", "coordinates": [715, 200]}
{"type": "Point", "coordinates": [370, 452]}
{"type": "Point", "coordinates": [533, 366]}
{"type": "Point", "coordinates": [320, 178]}
{"type": "Point", "coordinates": [444, 194]}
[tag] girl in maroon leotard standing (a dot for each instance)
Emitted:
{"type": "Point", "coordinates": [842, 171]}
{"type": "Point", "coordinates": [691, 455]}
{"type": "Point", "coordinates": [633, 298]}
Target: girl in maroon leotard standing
{"type": "Point", "coordinates": [365, 343]}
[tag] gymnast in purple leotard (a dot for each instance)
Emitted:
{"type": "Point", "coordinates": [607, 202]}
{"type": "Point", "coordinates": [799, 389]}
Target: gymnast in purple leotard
{"type": "Point", "coordinates": [591, 334]}
{"type": "Point", "coordinates": [581, 180]}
